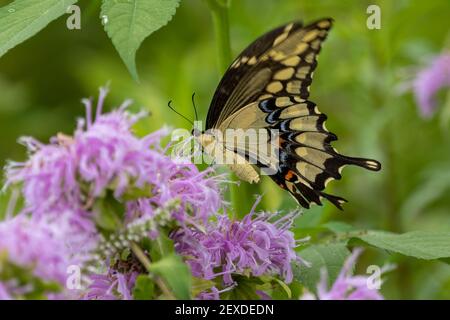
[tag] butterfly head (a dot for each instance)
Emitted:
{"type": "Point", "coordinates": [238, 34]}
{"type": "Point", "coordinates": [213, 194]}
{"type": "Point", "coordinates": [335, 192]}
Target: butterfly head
{"type": "Point", "coordinates": [196, 132]}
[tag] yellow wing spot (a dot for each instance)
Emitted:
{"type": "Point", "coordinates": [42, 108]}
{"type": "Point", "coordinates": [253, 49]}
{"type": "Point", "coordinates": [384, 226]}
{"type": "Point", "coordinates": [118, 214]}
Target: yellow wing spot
{"type": "Point", "coordinates": [288, 28]}
{"type": "Point", "coordinates": [302, 72]}
{"type": "Point", "coordinates": [293, 86]}
{"type": "Point", "coordinates": [300, 48]}
{"type": "Point", "coordinates": [301, 151]}
{"type": "Point", "coordinates": [236, 64]}
{"type": "Point", "coordinates": [291, 187]}
{"type": "Point", "coordinates": [296, 110]}
{"type": "Point", "coordinates": [298, 99]}
{"type": "Point", "coordinates": [274, 87]}
{"type": "Point", "coordinates": [309, 58]}
{"type": "Point", "coordinates": [244, 59]}
{"type": "Point", "coordinates": [284, 74]}
{"type": "Point", "coordinates": [277, 55]}
{"type": "Point", "coordinates": [316, 110]}
{"type": "Point", "coordinates": [301, 138]}
{"type": "Point", "coordinates": [328, 181]}
{"type": "Point", "coordinates": [291, 61]}
{"type": "Point", "coordinates": [265, 96]}
{"type": "Point", "coordinates": [312, 139]}
{"type": "Point", "coordinates": [315, 44]}
{"type": "Point", "coordinates": [308, 171]}
{"type": "Point", "coordinates": [308, 123]}
{"type": "Point", "coordinates": [314, 156]}
{"type": "Point", "coordinates": [323, 33]}
{"type": "Point", "coordinates": [372, 164]}
{"type": "Point", "coordinates": [283, 102]}
{"type": "Point", "coordinates": [324, 24]}
{"type": "Point", "coordinates": [310, 35]}
{"type": "Point", "coordinates": [280, 38]}
{"type": "Point", "coordinates": [252, 61]}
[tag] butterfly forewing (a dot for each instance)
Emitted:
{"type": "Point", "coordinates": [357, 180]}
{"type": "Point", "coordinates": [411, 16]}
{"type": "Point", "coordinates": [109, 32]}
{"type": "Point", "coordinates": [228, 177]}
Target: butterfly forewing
{"type": "Point", "coordinates": [241, 68]}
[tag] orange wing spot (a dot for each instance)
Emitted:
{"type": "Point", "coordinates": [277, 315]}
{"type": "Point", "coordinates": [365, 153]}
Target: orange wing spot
{"type": "Point", "coordinates": [280, 141]}
{"type": "Point", "coordinates": [289, 175]}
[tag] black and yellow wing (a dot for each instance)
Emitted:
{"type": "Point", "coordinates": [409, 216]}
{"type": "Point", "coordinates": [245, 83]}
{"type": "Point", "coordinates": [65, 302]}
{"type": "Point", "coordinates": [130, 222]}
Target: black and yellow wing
{"type": "Point", "coordinates": [267, 86]}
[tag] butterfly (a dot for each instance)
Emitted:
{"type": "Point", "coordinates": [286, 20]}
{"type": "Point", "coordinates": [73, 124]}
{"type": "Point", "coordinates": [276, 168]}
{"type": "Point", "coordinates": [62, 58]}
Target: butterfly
{"type": "Point", "coordinates": [267, 88]}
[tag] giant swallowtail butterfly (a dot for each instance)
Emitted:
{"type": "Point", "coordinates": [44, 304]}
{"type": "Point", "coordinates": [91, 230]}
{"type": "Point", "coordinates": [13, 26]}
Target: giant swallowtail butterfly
{"type": "Point", "coordinates": [267, 87]}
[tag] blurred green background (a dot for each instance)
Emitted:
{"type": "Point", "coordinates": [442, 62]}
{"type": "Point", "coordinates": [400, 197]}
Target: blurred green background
{"type": "Point", "coordinates": [356, 85]}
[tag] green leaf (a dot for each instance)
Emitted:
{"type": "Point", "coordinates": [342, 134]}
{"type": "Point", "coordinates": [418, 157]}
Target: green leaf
{"type": "Point", "coordinates": [160, 247]}
{"type": "Point", "coordinates": [144, 288]}
{"type": "Point", "coordinates": [129, 22]}
{"type": "Point", "coordinates": [175, 273]}
{"type": "Point", "coordinates": [108, 213]}
{"type": "Point", "coordinates": [199, 285]}
{"type": "Point", "coordinates": [328, 256]}
{"type": "Point", "coordinates": [419, 244]}
{"type": "Point", "coordinates": [285, 287]}
{"type": "Point", "coordinates": [22, 19]}
{"type": "Point", "coordinates": [338, 227]}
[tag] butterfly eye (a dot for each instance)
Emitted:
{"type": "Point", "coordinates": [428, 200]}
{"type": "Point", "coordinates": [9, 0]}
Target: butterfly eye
{"type": "Point", "coordinates": [196, 132]}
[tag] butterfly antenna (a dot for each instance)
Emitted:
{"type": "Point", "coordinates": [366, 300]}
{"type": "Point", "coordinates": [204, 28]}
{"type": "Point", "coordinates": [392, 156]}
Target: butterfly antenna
{"type": "Point", "coordinates": [171, 108]}
{"type": "Point", "coordinates": [195, 108]}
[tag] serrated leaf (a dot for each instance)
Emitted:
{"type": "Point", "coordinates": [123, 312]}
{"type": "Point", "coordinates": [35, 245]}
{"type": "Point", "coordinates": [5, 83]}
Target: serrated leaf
{"type": "Point", "coordinates": [328, 256]}
{"type": "Point", "coordinates": [175, 273]}
{"type": "Point", "coordinates": [419, 244]}
{"type": "Point", "coordinates": [22, 19]}
{"type": "Point", "coordinates": [129, 22]}
{"type": "Point", "coordinates": [144, 288]}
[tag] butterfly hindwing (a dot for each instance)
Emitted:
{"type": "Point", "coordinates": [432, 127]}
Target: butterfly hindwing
{"type": "Point", "coordinates": [307, 159]}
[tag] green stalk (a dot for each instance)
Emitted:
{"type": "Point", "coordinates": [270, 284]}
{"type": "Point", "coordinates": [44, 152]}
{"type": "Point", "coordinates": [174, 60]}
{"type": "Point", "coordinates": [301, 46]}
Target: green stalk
{"type": "Point", "coordinates": [219, 12]}
{"type": "Point", "coordinates": [242, 194]}
{"type": "Point", "coordinates": [142, 257]}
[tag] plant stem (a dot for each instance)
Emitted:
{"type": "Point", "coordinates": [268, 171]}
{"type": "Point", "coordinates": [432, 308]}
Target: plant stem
{"type": "Point", "coordinates": [219, 12]}
{"type": "Point", "coordinates": [242, 194]}
{"type": "Point", "coordinates": [142, 257]}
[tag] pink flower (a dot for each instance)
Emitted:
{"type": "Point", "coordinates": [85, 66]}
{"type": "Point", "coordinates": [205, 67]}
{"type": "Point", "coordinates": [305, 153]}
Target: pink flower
{"type": "Point", "coordinates": [102, 156]}
{"type": "Point", "coordinates": [230, 247]}
{"type": "Point", "coordinates": [33, 246]}
{"type": "Point", "coordinates": [117, 282]}
{"type": "Point", "coordinates": [346, 286]}
{"type": "Point", "coordinates": [429, 81]}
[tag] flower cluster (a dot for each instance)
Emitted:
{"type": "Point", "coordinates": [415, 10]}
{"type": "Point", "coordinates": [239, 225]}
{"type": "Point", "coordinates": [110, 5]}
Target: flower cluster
{"type": "Point", "coordinates": [71, 173]}
{"type": "Point", "coordinates": [62, 181]}
{"type": "Point", "coordinates": [38, 249]}
{"type": "Point", "coordinates": [346, 286]}
{"type": "Point", "coordinates": [109, 202]}
{"type": "Point", "coordinates": [229, 247]}
{"type": "Point", "coordinates": [429, 81]}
